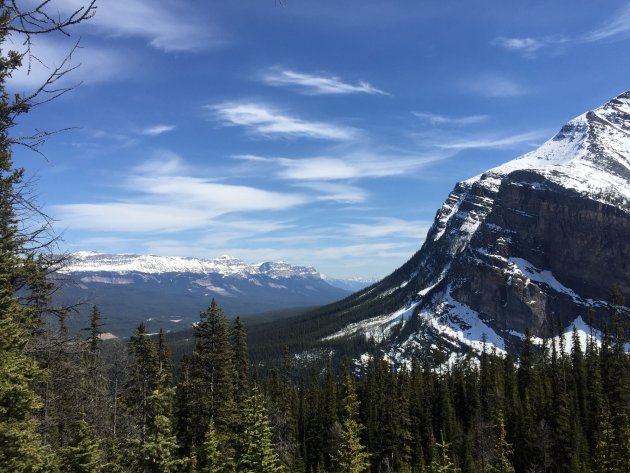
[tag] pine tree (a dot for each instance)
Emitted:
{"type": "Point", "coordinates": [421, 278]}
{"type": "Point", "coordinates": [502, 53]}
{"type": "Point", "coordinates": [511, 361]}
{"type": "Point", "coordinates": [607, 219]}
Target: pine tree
{"type": "Point", "coordinates": [143, 379]}
{"type": "Point", "coordinates": [83, 454]}
{"type": "Point", "coordinates": [258, 455]}
{"type": "Point", "coordinates": [157, 453]}
{"type": "Point", "coordinates": [20, 443]}
{"type": "Point", "coordinates": [442, 462]}
{"type": "Point", "coordinates": [350, 456]}
{"type": "Point", "coordinates": [212, 379]}
{"type": "Point", "coordinates": [209, 458]}
{"type": "Point", "coordinates": [238, 338]}
{"type": "Point", "coordinates": [503, 451]}
{"type": "Point", "coordinates": [94, 340]}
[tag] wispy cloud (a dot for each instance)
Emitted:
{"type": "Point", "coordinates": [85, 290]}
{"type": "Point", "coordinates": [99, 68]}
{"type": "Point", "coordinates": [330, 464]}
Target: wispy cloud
{"type": "Point", "coordinates": [390, 227]}
{"type": "Point", "coordinates": [166, 25]}
{"type": "Point", "coordinates": [157, 130]}
{"type": "Point", "coordinates": [492, 86]}
{"type": "Point", "coordinates": [616, 28]}
{"type": "Point", "coordinates": [311, 84]}
{"type": "Point", "coordinates": [351, 166]}
{"type": "Point", "coordinates": [529, 46]}
{"type": "Point", "coordinates": [486, 142]}
{"type": "Point", "coordinates": [336, 192]}
{"type": "Point", "coordinates": [267, 121]}
{"type": "Point", "coordinates": [436, 119]}
{"type": "Point", "coordinates": [161, 199]}
{"type": "Point", "coordinates": [91, 64]}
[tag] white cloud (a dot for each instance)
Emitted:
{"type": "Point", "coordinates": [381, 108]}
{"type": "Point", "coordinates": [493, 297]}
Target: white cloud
{"type": "Point", "coordinates": [390, 227]}
{"type": "Point", "coordinates": [336, 192]}
{"type": "Point", "coordinates": [92, 64]}
{"type": "Point", "coordinates": [166, 25]}
{"type": "Point", "coordinates": [164, 162]}
{"type": "Point", "coordinates": [374, 250]}
{"type": "Point", "coordinates": [503, 142]}
{"type": "Point", "coordinates": [157, 130]}
{"type": "Point", "coordinates": [529, 46]}
{"type": "Point", "coordinates": [162, 200]}
{"type": "Point", "coordinates": [266, 121]}
{"type": "Point", "coordinates": [317, 84]}
{"type": "Point", "coordinates": [617, 28]}
{"type": "Point", "coordinates": [436, 119]}
{"type": "Point", "coordinates": [351, 166]}
{"type": "Point", "coordinates": [492, 86]}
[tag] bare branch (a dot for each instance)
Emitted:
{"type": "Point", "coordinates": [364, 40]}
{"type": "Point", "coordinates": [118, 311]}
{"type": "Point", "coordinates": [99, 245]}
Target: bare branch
{"type": "Point", "coordinates": [39, 20]}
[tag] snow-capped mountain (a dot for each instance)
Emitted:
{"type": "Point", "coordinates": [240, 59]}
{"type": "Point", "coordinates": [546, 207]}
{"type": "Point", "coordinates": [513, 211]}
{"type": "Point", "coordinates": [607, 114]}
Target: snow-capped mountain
{"type": "Point", "coordinates": [170, 291]}
{"type": "Point", "coordinates": [535, 243]}
{"type": "Point", "coordinates": [90, 262]}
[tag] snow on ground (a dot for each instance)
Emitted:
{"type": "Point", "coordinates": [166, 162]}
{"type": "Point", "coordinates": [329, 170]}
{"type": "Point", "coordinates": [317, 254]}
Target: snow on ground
{"type": "Point", "coordinates": [376, 328]}
{"type": "Point", "coordinates": [460, 323]}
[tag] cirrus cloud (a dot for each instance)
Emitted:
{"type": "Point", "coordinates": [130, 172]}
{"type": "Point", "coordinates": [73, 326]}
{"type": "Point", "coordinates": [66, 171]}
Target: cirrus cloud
{"type": "Point", "coordinates": [311, 84]}
{"type": "Point", "coordinates": [266, 121]}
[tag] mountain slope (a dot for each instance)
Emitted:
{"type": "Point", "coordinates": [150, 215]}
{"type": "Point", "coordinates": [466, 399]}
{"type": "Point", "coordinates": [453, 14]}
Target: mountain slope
{"type": "Point", "coordinates": [529, 245]}
{"type": "Point", "coordinates": [170, 292]}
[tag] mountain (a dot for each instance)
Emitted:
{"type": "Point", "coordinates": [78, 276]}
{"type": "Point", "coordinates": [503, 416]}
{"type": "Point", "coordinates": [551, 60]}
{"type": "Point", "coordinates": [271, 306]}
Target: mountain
{"type": "Point", "coordinates": [170, 292]}
{"type": "Point", "coordinates": [532, 245]}
{"type": "Point", "coordinates": [352, 284]}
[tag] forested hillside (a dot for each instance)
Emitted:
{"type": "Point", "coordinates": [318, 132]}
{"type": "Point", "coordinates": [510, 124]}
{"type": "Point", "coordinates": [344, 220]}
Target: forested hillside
{"type": "Point", "coordinates": [560, 407]}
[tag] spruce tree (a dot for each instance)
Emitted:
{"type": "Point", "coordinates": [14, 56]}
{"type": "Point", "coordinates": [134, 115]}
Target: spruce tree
{"type": "Point", "coordinates": [258, 455]}
{"type": "Point", "coordinates": [84, 453]}
{"type": "Point", "coordinates": [442, 462]}
{"type": "Point", "coordinates": [350, 456]}
{"type": "Point", "coordinates": [158, 452]}
{"type": "Point", "coordinates": [212, 379]}
{"type": "Point", "coordinates": [209, 458]}
{"type": "Point", "coordinates": [503, 451]}
{"type": "Point", "coordinates": [238, 339]}
{"type": "Point", "coordinates": [20, 442]}
{"type": "Point", "coordinates": [143, 379]}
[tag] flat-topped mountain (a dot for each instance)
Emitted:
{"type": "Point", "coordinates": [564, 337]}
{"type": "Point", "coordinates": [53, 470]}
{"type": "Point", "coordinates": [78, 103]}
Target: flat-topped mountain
{"type": "Point", "coordinates": [170, 291]}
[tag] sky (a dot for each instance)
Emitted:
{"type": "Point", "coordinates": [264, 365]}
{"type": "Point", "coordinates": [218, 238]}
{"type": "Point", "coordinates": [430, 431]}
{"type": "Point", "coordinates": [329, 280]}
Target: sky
{"type": "Point", "coordinates": [321, 133]}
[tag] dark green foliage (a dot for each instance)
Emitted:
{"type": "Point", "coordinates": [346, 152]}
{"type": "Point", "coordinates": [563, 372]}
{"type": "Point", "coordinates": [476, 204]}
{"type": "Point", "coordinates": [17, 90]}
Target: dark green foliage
{"type": "Point", "coordinates": [351, 455]}
{"type": "Point", "coordinates": [83, 454]}
{"type": "Point", "coordinates": [212, 385]}
{"type": "Point", "coordinates": [257, 455]}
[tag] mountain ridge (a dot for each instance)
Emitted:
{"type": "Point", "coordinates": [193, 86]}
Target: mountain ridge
{"type": "Point", "coordinates": [170, 291]}
{"type": "Point", "coordinates": [526, 246]}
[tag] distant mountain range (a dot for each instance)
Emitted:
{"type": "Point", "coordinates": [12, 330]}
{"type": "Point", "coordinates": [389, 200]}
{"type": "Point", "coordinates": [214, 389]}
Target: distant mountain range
{"type": "Point", "coordinates": [536, 245]}
{"type": "Point", "coordinates": [170, 292]}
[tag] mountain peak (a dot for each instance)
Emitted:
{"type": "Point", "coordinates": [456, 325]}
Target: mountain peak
{"type": "Point", "coordinates": [590, 155]}
{"type": "Point", "coordinates": [528, 245]}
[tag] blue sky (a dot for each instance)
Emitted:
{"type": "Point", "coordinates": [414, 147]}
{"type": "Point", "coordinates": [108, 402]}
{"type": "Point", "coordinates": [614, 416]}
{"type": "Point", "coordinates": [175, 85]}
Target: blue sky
{"type": "Point", "coordinates": [320, 133]}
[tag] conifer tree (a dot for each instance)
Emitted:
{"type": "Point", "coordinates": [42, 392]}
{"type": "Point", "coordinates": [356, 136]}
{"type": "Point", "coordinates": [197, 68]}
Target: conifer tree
{"type": "Point", "coordinates": [503, 451]}
{"type": "Point", "coordinates": [238, 339]}
{"type": "Point", "coordinates": [94, 339]}
{"type": "Point", "coordinates": [209, 455]}
{"type": "Point", "coordinates": [157, 453]}
{"type": "Point", "coordinates": [83, 454]}
{"type": "Point", "coordinates": [212, 378]}
{"type": "Point", "coordinates": [350, 456]}
{"type": "Point", "coordinates": [442, 462]}
{"type": "Point", "coordinates": [258, 455]}
{"type": "Point", "coordinates": [143, 379]}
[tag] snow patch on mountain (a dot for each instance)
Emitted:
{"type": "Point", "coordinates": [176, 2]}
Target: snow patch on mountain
{"type": "Point", "coordinates": [225, 265]}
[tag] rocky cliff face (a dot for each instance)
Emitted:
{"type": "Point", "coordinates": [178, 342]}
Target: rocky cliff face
{"type": "Point", "coordinates": [537, 241]}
